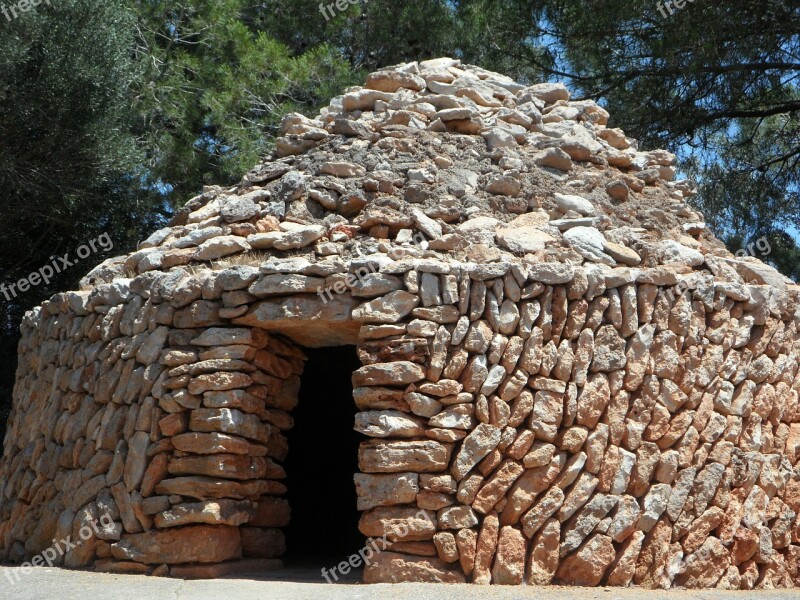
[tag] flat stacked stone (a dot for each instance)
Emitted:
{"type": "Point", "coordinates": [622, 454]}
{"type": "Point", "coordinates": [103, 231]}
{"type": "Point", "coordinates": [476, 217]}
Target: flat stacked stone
{"type": "Point", "coordinates": [565, 377]}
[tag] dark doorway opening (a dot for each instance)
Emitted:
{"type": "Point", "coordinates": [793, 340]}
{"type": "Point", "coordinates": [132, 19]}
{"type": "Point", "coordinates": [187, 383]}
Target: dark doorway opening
{"type": "Point", "coordinates": [323, 456]}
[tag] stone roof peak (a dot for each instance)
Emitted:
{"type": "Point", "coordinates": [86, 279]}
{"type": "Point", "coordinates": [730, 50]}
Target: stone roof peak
{"type": "Point", "coordinates": [442, 160]}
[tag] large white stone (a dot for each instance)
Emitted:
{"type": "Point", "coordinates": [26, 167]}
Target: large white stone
{"type": "Point", "coordinates": [589, 243]}
{"type": "Point", "coordinates": [567, 202]}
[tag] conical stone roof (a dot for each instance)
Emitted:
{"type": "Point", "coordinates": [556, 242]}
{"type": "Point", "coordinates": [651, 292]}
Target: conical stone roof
{"type": "Point", "coordinates": [441, 161]}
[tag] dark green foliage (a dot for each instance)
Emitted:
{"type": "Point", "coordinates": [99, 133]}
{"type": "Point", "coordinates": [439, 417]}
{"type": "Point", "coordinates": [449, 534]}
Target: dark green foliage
{"type": "Point", "coordinates": [214, 89]}
{"type": "Point", "coordinates": [67, 156]}
{"type": "Point", "coordinates": [501, 35]}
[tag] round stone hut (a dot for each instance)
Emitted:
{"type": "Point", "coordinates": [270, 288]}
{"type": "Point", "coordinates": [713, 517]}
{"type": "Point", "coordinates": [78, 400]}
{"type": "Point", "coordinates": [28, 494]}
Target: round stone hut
{"type": "Point", "coordinates": [559, 375]}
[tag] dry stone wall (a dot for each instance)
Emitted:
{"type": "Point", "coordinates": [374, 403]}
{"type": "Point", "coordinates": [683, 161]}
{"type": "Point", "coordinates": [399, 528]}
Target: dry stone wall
{"type": "Point", "coordinates": [148, 429]}
{"type": "Point", "coordinates": [585, 430]}
{"type": "Point", "coordinates": [566, 378]}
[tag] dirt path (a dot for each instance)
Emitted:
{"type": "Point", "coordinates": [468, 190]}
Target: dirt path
{"type": "Point", "coordinates": [69, 585]}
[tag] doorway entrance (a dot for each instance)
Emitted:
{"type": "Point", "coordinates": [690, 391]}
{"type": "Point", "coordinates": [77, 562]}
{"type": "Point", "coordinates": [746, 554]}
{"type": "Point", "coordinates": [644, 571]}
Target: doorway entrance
{"type": "Point", "coordinates": [322, 459]}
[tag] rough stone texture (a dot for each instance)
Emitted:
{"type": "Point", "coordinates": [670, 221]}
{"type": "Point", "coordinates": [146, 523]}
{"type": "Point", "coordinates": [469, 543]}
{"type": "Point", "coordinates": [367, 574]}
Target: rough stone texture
{"type": "Point", "coordinates": [561, 383]}
{"type": "Point", "coordinates": [201, 543]}
{"type": "Point", "coordinates": [391, 567]}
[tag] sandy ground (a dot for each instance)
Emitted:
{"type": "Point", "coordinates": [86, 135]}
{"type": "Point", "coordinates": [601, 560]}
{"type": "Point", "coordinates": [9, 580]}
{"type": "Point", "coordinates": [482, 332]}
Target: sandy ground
{"type": "Point", "coordinates": [299, 584]}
